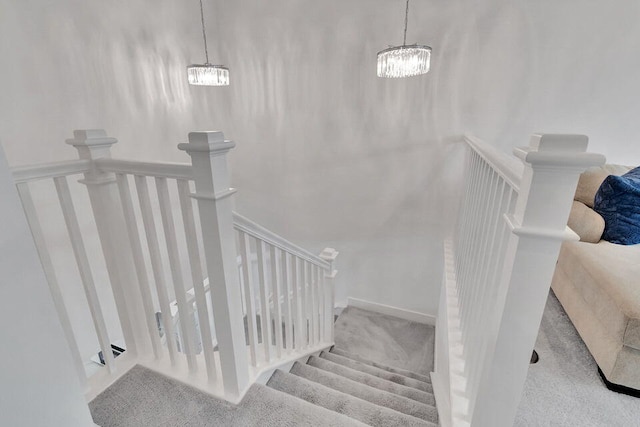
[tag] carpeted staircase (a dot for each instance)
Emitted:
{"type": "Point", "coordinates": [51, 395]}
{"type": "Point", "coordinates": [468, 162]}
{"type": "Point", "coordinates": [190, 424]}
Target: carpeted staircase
{"type": "Point", "coordinates": [376, 374]}
{"type": "Point", "coordinates": [367, 391]}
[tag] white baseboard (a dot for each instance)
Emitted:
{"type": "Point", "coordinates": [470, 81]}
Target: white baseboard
{"type": "Point", "coordinates": [412, 316]}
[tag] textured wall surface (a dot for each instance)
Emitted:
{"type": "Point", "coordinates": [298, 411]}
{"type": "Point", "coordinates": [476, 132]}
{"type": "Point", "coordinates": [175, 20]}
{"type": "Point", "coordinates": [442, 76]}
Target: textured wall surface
{"type": "Point", "coordinates": [327, 153]}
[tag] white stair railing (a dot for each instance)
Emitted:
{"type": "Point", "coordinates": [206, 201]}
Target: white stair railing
{"type": "Point", "coordinates": [253, 273]}
{"type": "Point", "coordinates": [498, 269]}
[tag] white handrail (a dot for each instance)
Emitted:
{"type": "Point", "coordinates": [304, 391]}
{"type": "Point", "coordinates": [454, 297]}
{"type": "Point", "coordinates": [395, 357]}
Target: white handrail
{"type": "Point", "coordinates": [249, 227]}
{"type": "Point", "coordinates": [49, 170]}
{"type": "Point", "coordinates": [185, 171]}
{"type": "Point", "coordinates": [153, 169]}
{"type": "Point", "coordinates": [505, 165]}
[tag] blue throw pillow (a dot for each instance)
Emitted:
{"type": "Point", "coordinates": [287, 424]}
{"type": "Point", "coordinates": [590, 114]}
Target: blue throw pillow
{"type": "Point", "coordinates": [618, 201]}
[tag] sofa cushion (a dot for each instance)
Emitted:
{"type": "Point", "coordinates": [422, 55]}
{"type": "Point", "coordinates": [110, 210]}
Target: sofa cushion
{"type": "Point", "coordinates": [618, 201]}
{"type": "Point", "coordinates": [591, 179]}
{"type": "Point", "coordinates": [587, 223]}
{"type": "Point", "coordinates": [606, 275]}
{"type": "Point", "coordinates": [588, 185]}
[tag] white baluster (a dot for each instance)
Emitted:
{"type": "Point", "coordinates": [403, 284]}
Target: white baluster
{"type": "Point", "coordinates": [108, 214]}
{"type": "Point", "coordinates": [77, 243]}
{"type": "Point", "coordinates": [297, 303]}
{"type": "Point", "coordinates": [322, 309]}
{"type": "Point", "coordinates": [286, 289]}
{"type": "Point", "coordinates": [312, 304]}
{"type": "Point", "coordinates": [265, 315]}
{"type": "Point", "coordinates": [249, 296]}
{"type": "Point", "coordinates": [138, 260]}
{"type": "Point", "coordinates": [329, 255]}
{"type": "Point", "coordinates": [50, 274]}
{"type": "Point", "coordinates": [304, 298]}
{"type": "Point", "coordinates": [275, 288]}
{"type": "Point", "coordinates": [184, 309]}
{"type": "Point", "coordinates": [195, 263]}
{"type": "Point", "coordinates": [156, 264]}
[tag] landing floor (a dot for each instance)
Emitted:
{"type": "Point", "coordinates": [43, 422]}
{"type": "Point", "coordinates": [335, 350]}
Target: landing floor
{"type": "Point", "coordinates": [563, 388]}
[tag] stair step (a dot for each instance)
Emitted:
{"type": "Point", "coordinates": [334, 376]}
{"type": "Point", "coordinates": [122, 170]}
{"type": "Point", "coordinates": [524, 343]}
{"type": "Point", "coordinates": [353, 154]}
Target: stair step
{"type": "Point", "coordinates": [406, 373]}
{"type": "Point", "coordinates": [365, 392]}
{"type": "Point", "coordinates": [358, 409]}
{"type": "Point", "coordinates": [381, 373]}
{"type": "Point", "coordinates": [372, 380]}
{"type": "Point", "coordinates": [290, 411]}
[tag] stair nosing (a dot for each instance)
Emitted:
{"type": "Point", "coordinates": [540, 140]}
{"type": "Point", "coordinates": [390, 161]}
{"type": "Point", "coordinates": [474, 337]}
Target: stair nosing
{"type": "Point", "coordinates": [321, 386]}
{"type": "Point", "coordinates": [404, 388]}
{"type": "Point", "coordinates": [427, 386]}
{"type": "Point", "coordinates": [398, 398]}
{"type": "Point", "coordinates": [400, 371]}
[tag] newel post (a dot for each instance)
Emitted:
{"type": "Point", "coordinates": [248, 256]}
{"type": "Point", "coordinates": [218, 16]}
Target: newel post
{"type": "Point", "coordinates": [553, 164]}
{"type": "Point", "coordinates": [208, 151]}
{"type": "Point", "coordinates": [329, 255]}
{"type": "Point", "coordinates": [94, 144]}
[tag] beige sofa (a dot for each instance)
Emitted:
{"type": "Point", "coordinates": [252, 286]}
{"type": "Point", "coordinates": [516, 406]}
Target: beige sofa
{"type": "Point", "coordinates": [598, 284]}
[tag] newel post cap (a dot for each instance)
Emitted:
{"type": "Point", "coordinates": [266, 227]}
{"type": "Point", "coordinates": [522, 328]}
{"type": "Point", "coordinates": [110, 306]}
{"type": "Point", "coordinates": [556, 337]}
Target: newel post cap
{"type": "Point", "coordinates": [329, 254]}
{"type": "Point", "coordinates": [559, 151]}
{"type": "Point", "coordinates": [207, 142]}
{"type": "Point", "coordinates": [90, 138]}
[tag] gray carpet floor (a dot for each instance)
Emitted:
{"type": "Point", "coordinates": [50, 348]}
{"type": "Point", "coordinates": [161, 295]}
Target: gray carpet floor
{"type": "Point", "coordinates": [564, 388]}
{"type": "Point", "coordinates": [385, 339]}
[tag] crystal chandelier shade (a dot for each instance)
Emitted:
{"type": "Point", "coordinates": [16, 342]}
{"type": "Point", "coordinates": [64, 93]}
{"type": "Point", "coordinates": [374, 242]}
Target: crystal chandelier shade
{"type": "Point", "coordinates": [405, 60]}
{"type": "Point", "coordinates": [207, 74]}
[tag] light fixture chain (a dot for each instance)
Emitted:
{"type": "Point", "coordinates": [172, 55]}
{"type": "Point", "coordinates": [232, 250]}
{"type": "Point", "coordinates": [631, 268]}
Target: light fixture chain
{"type": "Point", "coordinates": [406, 21]}
{"type": "Point", "coordinates": [204, 33]}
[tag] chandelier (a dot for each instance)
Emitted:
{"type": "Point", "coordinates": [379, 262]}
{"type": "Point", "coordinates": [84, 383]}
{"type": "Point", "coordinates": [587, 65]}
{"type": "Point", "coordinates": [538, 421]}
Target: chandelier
{"type": "Point", "coordinates": [207, 74]}
{"type": "Point", "coordinates": [405, 60]}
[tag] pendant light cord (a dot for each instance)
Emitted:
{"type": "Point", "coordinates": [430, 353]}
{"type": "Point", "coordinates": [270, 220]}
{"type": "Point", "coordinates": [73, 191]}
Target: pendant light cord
{"type": "Point", "coordinates": [204, 33]}
{"type": "Point", "coordinates": [406, 20]}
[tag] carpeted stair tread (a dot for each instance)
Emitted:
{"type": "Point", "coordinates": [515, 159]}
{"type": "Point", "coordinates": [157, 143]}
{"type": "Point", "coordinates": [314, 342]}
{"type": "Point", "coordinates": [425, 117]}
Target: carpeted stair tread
{"type": "Point", "coordinates": [373, 381]}
{"type": "Point", "coordinates": [142, 397]}
{"type": "Point", "coordinates": [381, 373]}
{"type": "Point", "coordinates": [365, 392]}
{"type": "Point", "coordinates": [406, 373]}
{"type": "Point", "coordinates": [342, 403]}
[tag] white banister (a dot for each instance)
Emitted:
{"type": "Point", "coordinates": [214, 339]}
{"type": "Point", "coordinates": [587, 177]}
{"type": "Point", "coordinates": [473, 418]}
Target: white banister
{"type": "Point", "coordinates": [259, 232]}
{"type": "Point", "coordinates": [108, 213]}
{"type": "Point", "coordinates": [180, 171]}
{"type": "Point", "coordinates": [29, 173]}
{"type": "Point", "coordinates": [498, 269]}
{"type": "Point", "coordinates": [282, 288]}
{"type": "Point", "coordinates": [208, 151]}
{"type": "Point", "coordinates": [507, 166]}
{"type": "Point", "coordinates": [553, 164]}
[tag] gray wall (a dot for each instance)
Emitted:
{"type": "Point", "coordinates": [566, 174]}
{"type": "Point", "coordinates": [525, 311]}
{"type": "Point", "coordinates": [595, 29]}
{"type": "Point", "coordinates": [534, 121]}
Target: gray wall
{"type": "Point", "coordinates": [328, 154]}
